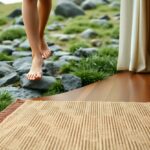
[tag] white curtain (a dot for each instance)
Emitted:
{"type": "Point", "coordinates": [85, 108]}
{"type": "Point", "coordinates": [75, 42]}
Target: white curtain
{"type": "Point", "coordinates": [134, 48]}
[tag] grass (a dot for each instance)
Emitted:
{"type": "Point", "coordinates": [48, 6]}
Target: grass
{"type": "Point", "coordinates": [12, 33]}
{"type": "Point", "coordinates": [76, 45]}
{"type": "Point", "coordinates": [96, 67]}
{"type": "Point", "coordinates": [55, 89]}
{"type": "Point", "coordinates": [5, 100]}
{"type": "Point", "coordinates": [5, 57]}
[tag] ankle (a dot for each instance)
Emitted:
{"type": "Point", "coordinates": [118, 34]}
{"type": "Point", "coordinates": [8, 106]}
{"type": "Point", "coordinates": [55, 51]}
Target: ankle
{"type": "Point", "coordinates": [36, 55]}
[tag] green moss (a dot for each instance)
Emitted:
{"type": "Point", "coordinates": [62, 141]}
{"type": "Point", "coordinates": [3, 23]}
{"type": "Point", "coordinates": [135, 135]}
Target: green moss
{"type": "Point", "coordinates": [3, 21]}
{"type": "Point", "coordinates": [76, 45]}
{"type": "Point", "coordinates": [96, 67]}
{"type": "Point", "coordinates": [55, 89]}
{"type": "Point", "coordinates": [5, 57]}
{"type": "Point", "coordinates": [5, 100]}
{"type": "Point", "coordinates": [115, 32]}
{"type": "Point", "coordinates": [12, 33]}
{"type": "Point", "coordinates": [88, 76]}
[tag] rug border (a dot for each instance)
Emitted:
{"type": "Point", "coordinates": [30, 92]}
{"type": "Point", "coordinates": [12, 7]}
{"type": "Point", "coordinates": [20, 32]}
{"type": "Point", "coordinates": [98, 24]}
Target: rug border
{"type": "Point", "coordinates": [10, 109]}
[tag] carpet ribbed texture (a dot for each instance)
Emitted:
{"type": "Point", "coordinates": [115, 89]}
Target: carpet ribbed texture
{"type": "Point", "coordinates": [77, 125]}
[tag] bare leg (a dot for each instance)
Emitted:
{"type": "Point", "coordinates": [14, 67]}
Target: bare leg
{"type": "Point", "coordinates": [31, 21]}
{"type": "Point", "coordinates": [44, 9]}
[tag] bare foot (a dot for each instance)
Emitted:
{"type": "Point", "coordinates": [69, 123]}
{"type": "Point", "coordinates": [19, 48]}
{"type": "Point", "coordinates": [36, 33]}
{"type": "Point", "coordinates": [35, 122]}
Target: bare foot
{"type": "Point", "coordinates": [45, 51]}
{"type": "Point", "coordinates": [35, 72]}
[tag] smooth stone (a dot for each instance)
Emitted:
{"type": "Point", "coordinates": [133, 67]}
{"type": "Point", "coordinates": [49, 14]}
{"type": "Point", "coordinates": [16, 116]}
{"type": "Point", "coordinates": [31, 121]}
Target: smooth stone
{"type": "Point", "coordinates": [88, 5]}
{"type": "Point", "coordinates": [44, 84]}
{"type": "Point", "coordinates": [9, 79]}
{"type": "Point", "coordinates": [6, 49]}
{"type": "Point", "coordinates": [21, 54]}
{"type": "Point", "coordinates": [15, 13]}
{"type": "Point", "coordinates": [88, 33]}
{"type": "Point", "coordinates": [20, 61]}
{"type": "Point", "coordinates": [20, 93]}
{"type": "Point", "coordinates": [85, 52]}
{"type": "Point", "coordinates": [71, 82]}
{"type": "Point", "coordinates": [6, 69]}
{"type": "Point", "coordinates": [69, 58]}
{"type": "Point", "coordinates": [68, 9]}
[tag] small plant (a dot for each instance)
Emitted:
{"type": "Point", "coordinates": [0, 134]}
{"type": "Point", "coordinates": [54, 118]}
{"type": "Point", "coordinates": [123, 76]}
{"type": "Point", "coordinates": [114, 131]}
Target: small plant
{"type": "Point", "coordinates": [88, 76]}
{"type": "Point", "coordinates": [12, 33]}
{"type": "Point", "coordinates": [5, 57]}
{"type": "Point", "coordinates": [115, 33]}
{"type": "Point", "coordinates": [66, 68]}
{"type": "Point", "coordinates": [55, 89]}
{"type": "Point", "coordinates": [75, 46]}
{"type": "Point", "coordinates": [3, 21]}
{"type": "Point", "coordinates": [5, 100]}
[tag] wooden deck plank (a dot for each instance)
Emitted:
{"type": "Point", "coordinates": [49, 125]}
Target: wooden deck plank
{"type": "Point", "coordinates": [122, 87]}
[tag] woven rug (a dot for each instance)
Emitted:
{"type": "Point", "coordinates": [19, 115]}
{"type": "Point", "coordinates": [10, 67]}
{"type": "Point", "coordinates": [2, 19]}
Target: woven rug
{"type": "Point", "coordinates": [77, 125]}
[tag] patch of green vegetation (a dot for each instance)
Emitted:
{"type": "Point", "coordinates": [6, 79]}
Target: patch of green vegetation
{"type": "Point", "coordinates": [67, 68]}
{"type": "Point", "coordinates": [76, 45]}
{"type": "Point", "coordinates": [3, 21]}
{"type": "Point", "coordinates": [55, 89]}
{"type": "Point", "coordinates": [5, 10]}
{"type": "Point", "coordinates": [115, 32]}
{"type": "Point", "coordinates": [97, 67]}
{"type": "Point", "coordinates": [74, 29]}
{"type": "Point", "coordinates": [5, 57]}
{"type": "Point", "coordinates": [108, 51]}
{"type": "Point", "coordinates": [88, 76]}
{"type": "Point", "coordinates": [5, 100]}
{"type": "Point", "coordinates": [12, 33]}
{"type": "Point", "coordinates": [22, 49]}
{"type": "Point", "coordinates": [54, 58]}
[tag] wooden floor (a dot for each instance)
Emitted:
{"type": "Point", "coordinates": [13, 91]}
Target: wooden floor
{"type": "Point", "coordinates": [122, 87]}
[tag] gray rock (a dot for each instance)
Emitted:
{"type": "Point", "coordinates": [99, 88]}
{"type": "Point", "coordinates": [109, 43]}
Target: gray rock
{"type": "Point", "coordinates": [6, 49]}
{"type": "Point", "coordinates": [87, 5]}
{"type": "Point", "coordinates": [24, 68]}
{"type": "Point", "coordinates": [64, 37]}
{"type": "Point", "coordinates": [52, 68]}
{"type": "Point", "coordinates": [5, 69]}
{"type": "Point", "coordinates": [68, 9]}
{"type": "Point", "coordinates": [60, 53]}
{"type": "Point", "coordinates": [101, 22]}
{"type": "Point", "coordinates": [16, 42]}
{"type": "Point", "coordinates": [7, 42]}
{"type": "Point", "coordinates": [78, 2]}
{"type": "Point", "coordinates": [96, 42]}
{"type": "Point", "coordinates": [44, 84]}
{"type": "Point", "coordinates": [71, 82]}
{"type": "Point", "coordinates": [88, 33]}
{"type": "Point", "coordinates": [20, 61]}
{"type": "Point", "coordinates": [21, 54]}
{"type": "Point", "coordinates": [115, 41]}
{"type": "Point", "coordinates": [55, 48]}
{"type": "Point", "coordinates": [105, 17]}
{"type": "Point", "coordinates": [55, 26]}
{"type": "Point", "coordinates": [19, 21]}
{"type": "Point", "coordinates": [85, 52]}
{"type": "Point", "coordinates": [15, 13]}
{"type": "Point", "coordinates": [117, 17]}
{"type": "Point", "coordinates": [69, 58]}
{"type": "Point", "coordinates": [9, 79]}
{"type": "Point", "coordinates": [101, 1]}
{"type": "Point", "coordinates": [115, 4]}
{"type": "Point", "coordinates": [25, 45]}
{"type": "Point", "coordinates": [20, 93]}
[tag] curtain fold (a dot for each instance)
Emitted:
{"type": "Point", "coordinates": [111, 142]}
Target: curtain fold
{"type": "Point", "coordinates": [134, 47]}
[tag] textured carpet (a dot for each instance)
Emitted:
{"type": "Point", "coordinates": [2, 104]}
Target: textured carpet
{"type": "Point", "coordinates": [77, 125]}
